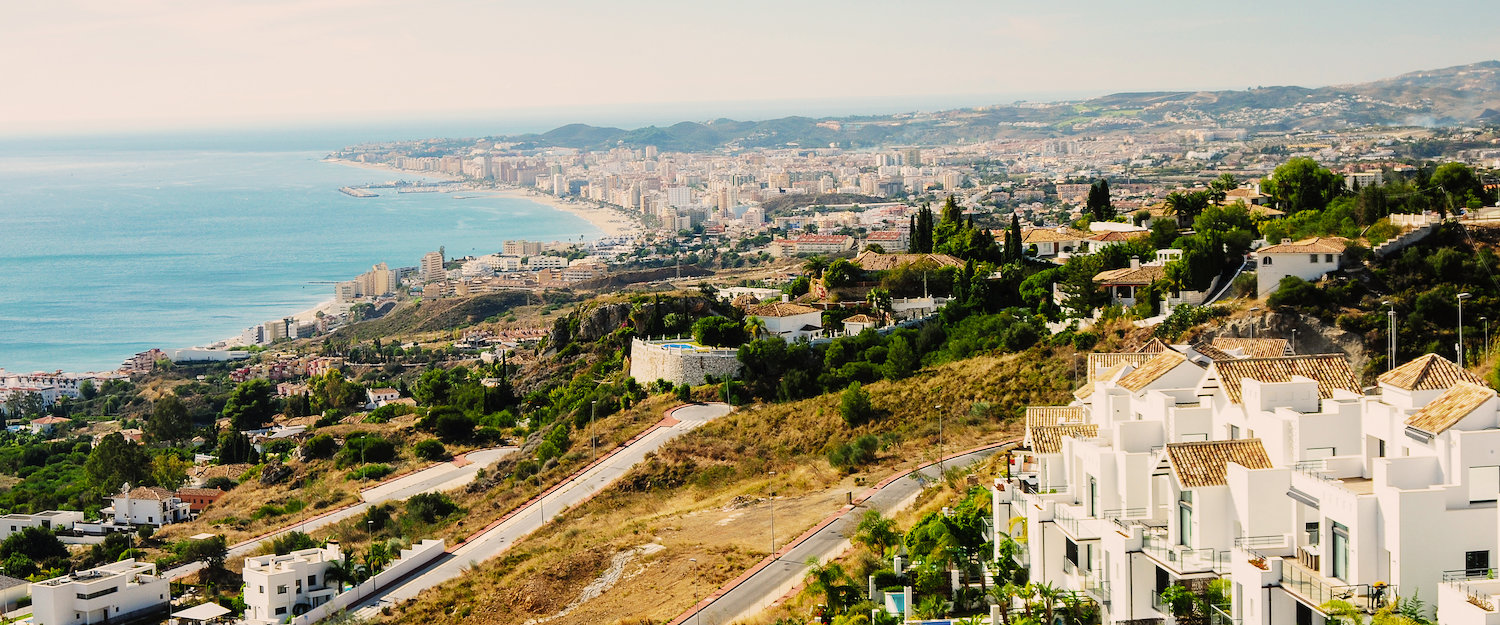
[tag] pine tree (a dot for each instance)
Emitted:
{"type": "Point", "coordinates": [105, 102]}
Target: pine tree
{"type": "Point", "coordinates": [1098, 203]}
{"type": "Point", "coordinates": [913, 243]}
{"type": "Point", "coordinates": [1013, 239]}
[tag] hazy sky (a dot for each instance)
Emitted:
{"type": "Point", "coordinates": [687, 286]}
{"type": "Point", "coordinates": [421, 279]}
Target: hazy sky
{"type": "Point", "coordinates": [85, 65]}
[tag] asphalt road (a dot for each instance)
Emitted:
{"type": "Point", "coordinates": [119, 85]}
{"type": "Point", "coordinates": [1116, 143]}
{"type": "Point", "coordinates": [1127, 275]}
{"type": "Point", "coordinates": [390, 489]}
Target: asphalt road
{"type": "Point", "coordinates": [437, 478]}
{"type": "Point", "coordinates": [774, 581]}
{"type": "Point", "coordinates": [532, 516]}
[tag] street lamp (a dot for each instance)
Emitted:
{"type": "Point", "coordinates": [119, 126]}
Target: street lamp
{"type": "Point", "coordinates": [1390, 338]}
{"type": "Point", "coordinates": [1253, 310]}
{"type": "Point", "coordinates": [1486, 350]}
{"type": "Point", "coordinates": [940, 441]}
{"type": "Point", "coordinates": [1461, 298]}
{"type": "Point", "coordinates": [370, 528]}
{"type": "Point", "coordinates": [773, 518]}
{"type": "Point", "coordinates": [593, 413]}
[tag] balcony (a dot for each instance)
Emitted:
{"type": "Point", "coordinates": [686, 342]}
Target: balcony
{"type": "Point", "coordinates": [1315, 590]}
{"type": "Point", "coordinates": [1181, 559]}
{"type": "Point", "coordinates": [1072, 521]}
{"type": "Point", "coordinates": [1095, 586]}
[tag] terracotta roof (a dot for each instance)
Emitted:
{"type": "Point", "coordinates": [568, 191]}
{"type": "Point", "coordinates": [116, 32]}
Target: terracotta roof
{"type": "Point", "coordinates": [1047, 439]}
{"type": "Point", "coordinates": [1208, 350]}
{"type": "Point", "coordinates": [1097, 363]}
{"type": "Point", "coordinates": [1115, 235]}
{"type": "Point", "coordinates": [149, 492]}
{"type": "Point", "coordinates": [1051, 235]}
{"type": "Point", "coordinates": [1156, 346]}
{"type": "Point", "coordinates": [875, 261]}
{"type": "Point", "coordinates": [779, 309]}
{"type": "Point", "coordinates": [1143, 275]}
{"type": "Point", "coordinates": [1315, 245]}
{"type": "Point", "coordinates": [1206, 463]}
{"type": "Point", "coordinates": [1151, 371]}
{"type": "Point", "coordinates": [1428, 373]}
{"type": "Point", "coordinates": [860, 318]}
{"type": "Point", "coordinates": [50, 420]}
{"type": "Point", "coordinates": [886, 235]}
{"type": "Point", "coordinates": [1254, 348]}
{"type": "Point", "coordinates": [1330, 370]}
{"type": "Point", "coordinates": [1053, 415]}
{"type": "Point", "coordinates": [1450, 407]}
{"type": "Point", "coordinates": [199, 492]}
{"type": "Point", "coordinates": [824, 238]}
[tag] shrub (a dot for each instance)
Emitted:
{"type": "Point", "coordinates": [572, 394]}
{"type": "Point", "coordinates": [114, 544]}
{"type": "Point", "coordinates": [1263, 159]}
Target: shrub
{"type": "Point", "coordinates": [291, 541]}
{"type": "Point", "coordinates": [429, 507]}
{"type": "Point", "coordinates": [364, 448]}
{"type": "Point", "coordinates": [221, 483]}
{"type": "Point", "coordinates": [387, 412]}
{"type": "Point", "coordinates": [854, 406]}
{"type": "Point", "coordinates": [684, 392]}
{"type": "Point", "coordinates": [431, 449]}
{"type": "Point", "coordinates": [370, 472]}
{"type": "Point", "coordinates": [320, 446]}
{"type": "Point", "coordinates": [854, 454]}
{"type": "Point", "coordinates": [452, 426]}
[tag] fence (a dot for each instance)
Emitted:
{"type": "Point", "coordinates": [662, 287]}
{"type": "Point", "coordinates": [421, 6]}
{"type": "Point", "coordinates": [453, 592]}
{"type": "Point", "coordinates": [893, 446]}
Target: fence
{"type": "Point", "coordinates": [412, 559]}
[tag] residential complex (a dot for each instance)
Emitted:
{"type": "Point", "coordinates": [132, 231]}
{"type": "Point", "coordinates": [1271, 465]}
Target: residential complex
{"type": "Point", "coordinates": [114, 593]}
{"type": "Point", "coordinates": [277, 587]}
{"type": "Point", "coordinates": [1181, 464]}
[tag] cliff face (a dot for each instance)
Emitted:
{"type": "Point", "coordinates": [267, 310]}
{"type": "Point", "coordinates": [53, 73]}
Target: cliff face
{"type": "Point", "coordinates": [1310, 335]}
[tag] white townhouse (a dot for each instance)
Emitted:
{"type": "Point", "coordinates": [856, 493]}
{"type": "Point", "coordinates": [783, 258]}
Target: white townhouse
{"type": "Point", "coordinates": [787, 320]}
{"type": "Point", "coordinates": [1309, 259]}
{"type": "Point", "coordinates": [52, 519]}
{"type": "Point", "coordinates": [279, 587]}
{"type": "Point", "coordinates": [144, 505]}
{"type": "Point", "coordinates": [114, 593]}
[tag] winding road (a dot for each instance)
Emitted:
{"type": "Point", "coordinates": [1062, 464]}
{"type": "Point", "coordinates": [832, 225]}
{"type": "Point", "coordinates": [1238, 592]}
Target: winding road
{"type": "Point", "coordinates": [769, 581]}
{"type": "Point", "coordinates": [502, 534]}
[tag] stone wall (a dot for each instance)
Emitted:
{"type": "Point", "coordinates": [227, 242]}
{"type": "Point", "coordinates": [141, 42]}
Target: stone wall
{"type": "Point", "coordinates": [650, 361]}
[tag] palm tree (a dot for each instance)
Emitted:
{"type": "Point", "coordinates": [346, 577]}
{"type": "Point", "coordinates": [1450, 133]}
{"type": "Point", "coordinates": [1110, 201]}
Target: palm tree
{"type": "Point", "coordinates": [879, 299]}
{"type": "Point", "coordinates": [755, 327]}
{"type": "Point", "coordinates": [877, 533]}
{"type": "Point", "coordinates": [340, 571]}
{"type": "Point", "coordinates": [814, 266]}
{"type": "Point", "coordinates": [1047, 594]}
{"type": "Point", "coordinates": [828, 579]}
{"type": "Point", "coordinates": [377, 557]}
{"type": "Point", "coordinates": [1004, 595]}
{"type": "Point", "coordinates": [932, 607]}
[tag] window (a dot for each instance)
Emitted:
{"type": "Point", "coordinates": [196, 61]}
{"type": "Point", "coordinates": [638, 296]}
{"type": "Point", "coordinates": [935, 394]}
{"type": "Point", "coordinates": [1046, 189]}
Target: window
{"type": "Point", "coordinates": [1070, 552]}
{"type": "Point", "coordinates": [1265, 260]}
{"type": "Point", "coordinates": [281, 610]}
{"type": "Point", "coordinates": [312, 580]}
{"type": "Point", "coordinates": [1484, 484]}
{"type": "Point", "coordinates": [1312, 258]}
{"type": "Point", "coordinates": [1380, 448]}
{"type": "Point", "coordinates": [281, 590]}
{"type": "Point", "coordinates": [1340, 551]}
{"type": "Point", "coordinates": [1328, 258]}
{"type": "Point", "coordinates": [1476, 563]}
{"type": "Point", "coordinates": [1234, 432]}
{"type": "Point", "coordinates": [1093, 497]}
{"type": "Point", "coordinates": [1185, 518]}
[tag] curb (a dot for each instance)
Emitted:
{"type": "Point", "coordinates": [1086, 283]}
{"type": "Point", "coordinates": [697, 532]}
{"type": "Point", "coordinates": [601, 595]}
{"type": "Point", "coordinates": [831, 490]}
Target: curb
{"type": "Point", "coordinates": [843, 510]}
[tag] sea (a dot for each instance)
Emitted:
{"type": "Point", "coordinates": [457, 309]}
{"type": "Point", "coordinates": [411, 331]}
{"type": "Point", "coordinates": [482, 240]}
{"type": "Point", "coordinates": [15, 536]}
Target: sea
{"type": "Point", "coordinates": [110, 247]}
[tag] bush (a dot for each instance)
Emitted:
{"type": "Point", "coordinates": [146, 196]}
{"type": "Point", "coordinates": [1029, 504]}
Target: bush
{"type": "Point", "coordinates": [221, 483]}
{"type": "Point", "coordinates": [320, 446]}
{"type": "Point", "coordinates": [854, 454]}
{"type": "Point", "coordinates": [719, 332]}
{"type": "Point", "coordinates": [854, 406]}
{"type": "Point", "coordinates": [370, 472]}
{"type": "Point", "coordinates": [291, 541]}
{"type": "Point", "coordinates": [452, 427]}
{"type": "Point", "coordinates": [684, 392]}
{"type": "Point", "coordinates": [429, 507]}
{"type": "Point", "coordinates": [431, 449]}
{"type": "Point", "coordinates": [364, 448]}
{"type": "Point", "coordinates": [387, 412]}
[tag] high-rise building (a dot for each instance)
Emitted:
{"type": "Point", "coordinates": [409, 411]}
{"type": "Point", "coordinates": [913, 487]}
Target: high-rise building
{"type": "Point", "coordinates": [379, 280]}
{"type": "Point", "coordinates": [432, 267]}
{"type": "Point", "coordinates": [521, 248]}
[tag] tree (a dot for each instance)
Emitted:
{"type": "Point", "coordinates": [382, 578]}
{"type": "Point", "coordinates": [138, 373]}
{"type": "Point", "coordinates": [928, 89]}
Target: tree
{"type": "Point", "coordinates": [879, 299]}
{"type": "Point", "coordinates": [1186, 206]}
{"type": "Point", "coordinates": [26, 405]}
{"type": "Point", "coordinates": [922, 233]}
{"type": "Point", "coordinates": [377, 557]}
{"type": "Point", "coordinates": [1301, 184]}
{"type": "Point", "coordinates": [1013, 240]}
{"type": "Point", "coordinates": [250, 405]}
{"type": "Point", "coordinates": [815, 265]}
{"type": "Point", "coordinates": [840, 273]}
{"type": "Point", "coordinates": [87, 390]}
{"type": "Point", "coordinates": [901, 360]}
{"type": "Point", "coordinates": [1459, 184]}
{"type": "Point", "coordinates": [26, 551]}
{"type": "Point", "coordinates": [169, 421]}
{"type": "Point", "coordinates": [320, 446]}
{"type": "Point", "coordinates": [169, 471]}
{"type": "Point", "coordinates": [115, 461]}
{"type": "Point", "coordinates": [830, 580]}
{"type": "Point", "coordinates": [1221, 186]}
{"type": "Point", "coordinates": [877, 533]}
{"type": "Point", "coordinates": [718, 332]}
{"type": "Point", "coordinates": [431, 449]}
{"type": "Point", "coordinates": [854, 406]}
{"type": "Point", "coordinates": [212, 552]}
{"type": "Point", "coordinates": [1098, 204]}
{"type": "Point", "coordinates": [754, 327]}
{"type": "Point", "coordinates": [342, 572]}
{"type": "Point", "coordinates": [235, 447]}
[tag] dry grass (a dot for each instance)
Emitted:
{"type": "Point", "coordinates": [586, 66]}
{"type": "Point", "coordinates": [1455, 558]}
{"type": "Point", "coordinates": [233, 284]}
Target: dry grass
{"type": "Point", "coordinates": [703, 498]}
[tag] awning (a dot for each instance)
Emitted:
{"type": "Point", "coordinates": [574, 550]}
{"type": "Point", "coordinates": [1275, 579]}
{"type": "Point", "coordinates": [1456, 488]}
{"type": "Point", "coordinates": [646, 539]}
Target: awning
{"type": "Point", "coordinates": [202, 612]}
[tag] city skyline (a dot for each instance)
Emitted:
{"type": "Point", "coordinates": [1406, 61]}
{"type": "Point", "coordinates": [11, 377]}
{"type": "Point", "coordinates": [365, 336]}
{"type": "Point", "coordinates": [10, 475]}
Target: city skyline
{"type": "Point", "coordinates": [89, 66]}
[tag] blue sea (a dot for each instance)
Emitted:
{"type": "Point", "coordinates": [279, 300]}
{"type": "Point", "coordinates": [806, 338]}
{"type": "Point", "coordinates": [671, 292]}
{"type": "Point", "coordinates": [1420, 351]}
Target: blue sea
{"type": "Point", "coordinates": [111, 247]}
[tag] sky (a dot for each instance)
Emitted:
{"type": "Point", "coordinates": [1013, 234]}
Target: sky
{"type": "Point", "coordinates": [87, 66]}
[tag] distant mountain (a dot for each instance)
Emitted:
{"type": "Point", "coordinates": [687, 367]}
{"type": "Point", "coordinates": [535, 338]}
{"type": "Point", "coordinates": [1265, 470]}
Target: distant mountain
{"type": "Point", "coordinates": [1465, 94]}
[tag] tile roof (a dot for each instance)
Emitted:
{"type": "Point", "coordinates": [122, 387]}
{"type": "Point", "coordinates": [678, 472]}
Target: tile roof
{"type": "Point", "coordinates": [7, 581]}
{"type": "Point", "coordinates": [824, 238]}
{"type": "Point", "coordinates": [1151, 371]}
{"type": "Point", "coordinates": [1145, 274]}
{"type": "Point", "coordinates": [1206, 463]}
{"type": "Point", "coordinates": [1318, 245]}
{"type": "Point", "coordinates": [50, 420]}
{"type": "Point", "coordinates": [1088, 389]}
{"type": "Point", "coordinates": [1051, 235]}
{"type": "Point", "coordinates": [1428, 373]}
{"type": "Point", "coordinates": [875, 261]}
{"type": "Point", "coordinates": [1115, 235]}
{"type": "Point", "coordinates": [199, 492]}
{"type": "Point", "coordinates": [1331, 371]}
{"type": "Point", "coordinates": [1053, 415]}
{"type": "Point", "coordinates": [1155, 346]}
{"type": "Point", "coordinates": [1047, 439]}
{"type": "Point", "coordinates": [1254, 348]}
{"type": "Point", "coordinates": [779, 309]}
{"type": "Point", "coordinates": [1211, 352]}
{"type": "Point", "coordinates": [1099, 362]}
{"type": "Point", "coordinates": [860, 318]}
{"type": "Point", "coordinates": [149, 492]}
{"type": "Point", "coordinates": [1450, 407]}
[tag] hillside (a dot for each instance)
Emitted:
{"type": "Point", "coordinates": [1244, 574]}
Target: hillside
{"type": "Point", "coordinates": [1449, 96]}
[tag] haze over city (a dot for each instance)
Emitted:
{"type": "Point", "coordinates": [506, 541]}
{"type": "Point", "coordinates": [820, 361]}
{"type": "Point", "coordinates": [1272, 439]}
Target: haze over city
{"type": "Point", "coordinates": [91, 65]}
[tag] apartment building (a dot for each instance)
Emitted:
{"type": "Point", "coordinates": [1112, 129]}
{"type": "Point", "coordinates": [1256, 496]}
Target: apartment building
{"type": "Point", "coordinates": [114, 593]}
{"type": "Point", "coordinates": [52, 519]}
{"type": "Point", "coordinates": [1277, 472]}
{"type": "Point", "coordinates": [277, 587]}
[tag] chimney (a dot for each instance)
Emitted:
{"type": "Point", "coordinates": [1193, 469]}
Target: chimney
{"type": "Point", "coordinates": [1135, 262]}
{"type": "Point", "coordinates": [1285, 241]}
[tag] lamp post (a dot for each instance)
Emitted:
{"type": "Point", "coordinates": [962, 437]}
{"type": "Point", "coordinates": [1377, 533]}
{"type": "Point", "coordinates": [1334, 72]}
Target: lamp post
{"type": "Point", "coordinates": [1486, 350]}
{"type": "Point", "coordinates": [1390, 338]}
{"type": "Point", "coordinates": [940, 441]}
{"type": "Point", "coordinates": [593, 413]}
{"type": "Point", "coordinates": [773, 518]}
{"type": "Point", "coordinates": [1294, 340]}
{"type": "Point", "coordinates": [370, 528]}
{"type": "Point", "coordinates": [1461, 298]}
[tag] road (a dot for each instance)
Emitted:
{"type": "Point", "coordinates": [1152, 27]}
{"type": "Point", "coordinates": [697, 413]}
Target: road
{"type": "Point", "coordinates": [437, 478]}
{"type": "Point", "coordinates": [773, 581]}
{"type": "Point", "coordinates": [530, 517]}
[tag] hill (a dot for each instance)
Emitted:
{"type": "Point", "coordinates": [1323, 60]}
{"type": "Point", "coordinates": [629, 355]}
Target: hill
{"type": "Point", "coordinates": [1449, 96]}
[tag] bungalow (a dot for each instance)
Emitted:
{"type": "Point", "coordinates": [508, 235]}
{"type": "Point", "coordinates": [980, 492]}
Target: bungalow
{"type": "Point", "coordinates": [146, 506]}
{"type": "Point", "coordinates": [1053, 241]}
{"type": "Point", "coordinates": [1308, 259]}
{"type": "Point", "coordinates": [198, 499]}
{"type": "Point", "coordinates": [47, 425]}
{"type": "Point", "coordinates": [1124, 285]}
{"type": "Point", "coordinates": [787, 320]}
{"type": "Point", "coordinates": [378, 397]}
{"type": "Point", "coordinates": [860, 323]}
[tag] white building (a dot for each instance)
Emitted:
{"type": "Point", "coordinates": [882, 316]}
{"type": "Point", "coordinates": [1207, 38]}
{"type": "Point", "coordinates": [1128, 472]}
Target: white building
{"type": "Point", "coordinates": [787, 320]}
{"type": "Point", "coordinates": [53, 520]}
{"type": "Point", "coordinates": [546, 262]}
{"type": "Point", "coordinates": [118, 592]}
{"type": "Point", "coordinates": [278, 587]}
{"type": "Point", "coordinates": [1309, 259]}
{"type": "Point", "coordinates": [1053, 241]}
{"type": "Point", "coordinates": [378, 397]}
{"type": "Point", "coordinates": [145, 505]}
{"type": "Point", "coordinates": [1276, 472]}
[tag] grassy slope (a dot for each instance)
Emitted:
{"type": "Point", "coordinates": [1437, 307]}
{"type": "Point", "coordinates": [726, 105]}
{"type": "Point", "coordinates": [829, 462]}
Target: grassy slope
{"type": "Point", "coordinates": [703, 498]}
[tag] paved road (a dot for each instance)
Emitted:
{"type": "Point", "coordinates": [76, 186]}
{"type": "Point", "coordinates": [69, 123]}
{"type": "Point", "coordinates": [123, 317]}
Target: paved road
{"type": "Point", "coordinates": [437, 478]}
{"type": "Point", "coordinates": [529, 518]}
{"type": "Point", "coordinates": [772, 582]}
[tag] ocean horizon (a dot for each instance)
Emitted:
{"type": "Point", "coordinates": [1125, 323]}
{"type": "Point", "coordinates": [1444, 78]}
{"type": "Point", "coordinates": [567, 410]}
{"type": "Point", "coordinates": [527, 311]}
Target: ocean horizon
{"type": "Point", "coordinates": [109, 251]}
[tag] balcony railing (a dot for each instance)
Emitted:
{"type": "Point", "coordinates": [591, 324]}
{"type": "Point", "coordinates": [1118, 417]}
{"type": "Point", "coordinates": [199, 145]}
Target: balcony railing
{"type": "Point", "coordinates": [1262, 543]}
{"type": "Point", "coordinates": [1074, 525]}
{"type": "Point", "coordinates": [1217, 616]}
{"type": "Point", "coordinates": [1183, 559]}
{"type": "Point", "coordinates": [1318, 590]}
{"type": "Point", "coordinates": [1464, 575]}
{"type": "Point", "coordinates": [1094, 585]}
